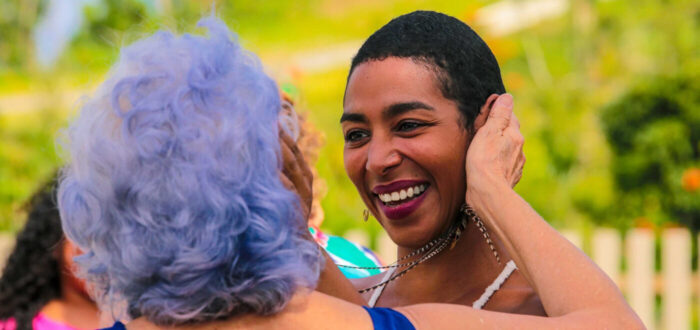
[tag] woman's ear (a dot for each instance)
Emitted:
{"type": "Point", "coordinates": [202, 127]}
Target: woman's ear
{"type": "Point", "coordinates": [484, 112]}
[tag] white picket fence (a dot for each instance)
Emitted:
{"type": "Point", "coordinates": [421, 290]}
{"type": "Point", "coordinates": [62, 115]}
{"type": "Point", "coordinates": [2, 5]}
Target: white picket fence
{"type": "Point", "coordinates": [676, 284]}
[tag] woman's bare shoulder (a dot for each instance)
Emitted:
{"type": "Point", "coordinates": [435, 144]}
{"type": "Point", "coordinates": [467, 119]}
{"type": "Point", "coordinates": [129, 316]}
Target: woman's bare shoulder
{"type": "Point", "coordinates": [305, 311]}
{"type": "Point", "coordinates": [316, 310]}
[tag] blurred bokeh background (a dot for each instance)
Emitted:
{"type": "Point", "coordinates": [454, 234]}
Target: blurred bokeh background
{"type": "Point", "coordinates": [608, 93]}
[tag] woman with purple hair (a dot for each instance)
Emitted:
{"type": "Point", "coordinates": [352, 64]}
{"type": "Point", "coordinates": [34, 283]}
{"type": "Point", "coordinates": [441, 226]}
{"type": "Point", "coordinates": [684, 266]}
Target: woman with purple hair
{"type": "Point", "coordinates": [175, 190]}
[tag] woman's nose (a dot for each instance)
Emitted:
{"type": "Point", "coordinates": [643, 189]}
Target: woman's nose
{"type": "Point", "coordinates": [382, 157]}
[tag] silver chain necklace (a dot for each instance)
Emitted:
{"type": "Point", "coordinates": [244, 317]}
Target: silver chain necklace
{"type": "Point", "coordinates": [432, 248]}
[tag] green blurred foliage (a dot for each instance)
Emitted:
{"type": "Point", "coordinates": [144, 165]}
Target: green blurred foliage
{"type": "Point", "coordinates": [16, 21]}
{"type": "Point", "coordinates": [561, 71]}
{"type": "Point", "coordinates": [654, 132]}
{"type": "Point", "coordinates": [27, 156]}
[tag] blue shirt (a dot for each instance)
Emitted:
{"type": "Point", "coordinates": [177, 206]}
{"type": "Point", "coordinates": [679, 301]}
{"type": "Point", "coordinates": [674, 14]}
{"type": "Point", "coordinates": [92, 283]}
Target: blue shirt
{"type": "Point", "coordinates": [382, 319]}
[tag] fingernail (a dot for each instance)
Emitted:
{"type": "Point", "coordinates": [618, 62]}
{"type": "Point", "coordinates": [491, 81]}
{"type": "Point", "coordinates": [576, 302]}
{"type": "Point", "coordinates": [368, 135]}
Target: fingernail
{"type": "Point", "coordinates": [506, 100]}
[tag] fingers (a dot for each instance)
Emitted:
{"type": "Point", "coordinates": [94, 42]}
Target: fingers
{"type": "Point", "coordinates": [296, 155]}
{"type": "Point", "coordinates": [497, 150]}
{"type": "Point", "coordinates": [305, 207]}
{"type": "Point", "coordinates": [501, 112]}
{"type": "Point", "coordinates": [293, 169]}
{"type": "Point", "coordinates": [514, 134]}
{"type": "Point", "coordinates": [514, 122]}
{"type": "Point", "coordinates": [287, 183]}
{"type": "Point", "coordinates": [513, 130]}
{"type": "Point", "coordinates": [296, 174]}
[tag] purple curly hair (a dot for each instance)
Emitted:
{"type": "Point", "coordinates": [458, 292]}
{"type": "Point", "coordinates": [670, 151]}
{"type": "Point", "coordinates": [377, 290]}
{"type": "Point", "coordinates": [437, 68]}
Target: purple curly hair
{"type": "Point", "coordinates": [173, 190]}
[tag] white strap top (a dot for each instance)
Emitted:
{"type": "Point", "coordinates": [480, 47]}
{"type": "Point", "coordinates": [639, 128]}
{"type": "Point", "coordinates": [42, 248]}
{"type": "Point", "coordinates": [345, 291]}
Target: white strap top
{"type": "Point", "coordinates": [378, 291]}
{"type": "Point", "coordinates": [478, 304]}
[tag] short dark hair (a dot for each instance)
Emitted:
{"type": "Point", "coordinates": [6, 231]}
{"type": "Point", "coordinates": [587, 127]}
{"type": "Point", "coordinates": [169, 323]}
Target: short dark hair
{"type": "Point", "coordinates": [465, 67]}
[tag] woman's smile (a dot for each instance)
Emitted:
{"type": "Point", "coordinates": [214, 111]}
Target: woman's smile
{"type": "Point", "coordinates": [405, 148]}
{"type": "Point", "coordinates": [400, 198]}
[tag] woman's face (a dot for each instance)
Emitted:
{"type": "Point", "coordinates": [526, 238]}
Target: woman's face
{"type": "Point", "coordinates": [405, 148]}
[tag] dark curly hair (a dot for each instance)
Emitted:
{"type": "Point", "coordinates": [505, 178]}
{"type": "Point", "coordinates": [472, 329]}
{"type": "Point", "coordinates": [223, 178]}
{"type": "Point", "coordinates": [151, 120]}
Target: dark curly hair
{"type": "Point", "coordinates": [465, 67]}
{"type": "Point", "coordinates": [31, 277]}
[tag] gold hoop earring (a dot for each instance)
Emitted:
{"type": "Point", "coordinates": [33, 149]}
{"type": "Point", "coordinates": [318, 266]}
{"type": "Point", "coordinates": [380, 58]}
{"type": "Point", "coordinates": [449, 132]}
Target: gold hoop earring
{"type": "Point", "coordinates": [365, 215]}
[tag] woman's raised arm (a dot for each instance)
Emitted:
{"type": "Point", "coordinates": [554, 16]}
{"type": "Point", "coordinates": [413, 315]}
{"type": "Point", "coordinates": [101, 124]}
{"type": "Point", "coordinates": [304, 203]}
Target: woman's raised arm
{"type": "Point", "coordinates": [574, 291]}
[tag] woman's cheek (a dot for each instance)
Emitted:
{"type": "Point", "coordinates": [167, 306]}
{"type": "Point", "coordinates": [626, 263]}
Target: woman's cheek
{"type": "Point", "coordinates": [353, 165]}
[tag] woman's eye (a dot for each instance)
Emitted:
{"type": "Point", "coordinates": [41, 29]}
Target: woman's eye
{"type": "Point", "coordinates": [408, 126]}
{"type": "Point", "coordinates": [355, 135]}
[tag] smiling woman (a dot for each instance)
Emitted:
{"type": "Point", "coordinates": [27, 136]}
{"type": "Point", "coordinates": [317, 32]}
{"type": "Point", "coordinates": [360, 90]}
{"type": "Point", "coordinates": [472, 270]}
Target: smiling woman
{"type": "Point", "coordinates": [417, 91]}
{"type": "Point", "coordinates": [407, 135]}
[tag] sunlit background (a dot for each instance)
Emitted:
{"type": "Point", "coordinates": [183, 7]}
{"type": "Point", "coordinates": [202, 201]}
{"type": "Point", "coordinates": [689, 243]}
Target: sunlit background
{"type": "Point", "coordinates": [607, 92]}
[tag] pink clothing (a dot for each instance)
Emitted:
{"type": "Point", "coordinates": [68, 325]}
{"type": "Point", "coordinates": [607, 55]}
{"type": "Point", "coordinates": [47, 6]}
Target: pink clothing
{"type": "Point", "coordinates": [40, 322]}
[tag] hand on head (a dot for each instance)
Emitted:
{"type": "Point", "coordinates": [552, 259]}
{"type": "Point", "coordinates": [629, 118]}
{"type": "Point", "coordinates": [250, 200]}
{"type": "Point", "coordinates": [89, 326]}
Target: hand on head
{"type": "Point", "coordinates": [495, 155]}
{"type": "Point", "coordinates": [296, 174]}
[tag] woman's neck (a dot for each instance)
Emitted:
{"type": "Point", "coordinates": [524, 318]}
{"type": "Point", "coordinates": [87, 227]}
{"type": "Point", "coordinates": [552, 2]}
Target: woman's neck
{"type": "Point", "coordinates": [73, 309]}
{"type": "Point", "coordinates": [453, 275]}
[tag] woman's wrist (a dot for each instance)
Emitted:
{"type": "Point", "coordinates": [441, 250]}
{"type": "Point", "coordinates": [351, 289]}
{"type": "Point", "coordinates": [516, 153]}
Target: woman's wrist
{"type": "Point", "coordinates": [483, 194]}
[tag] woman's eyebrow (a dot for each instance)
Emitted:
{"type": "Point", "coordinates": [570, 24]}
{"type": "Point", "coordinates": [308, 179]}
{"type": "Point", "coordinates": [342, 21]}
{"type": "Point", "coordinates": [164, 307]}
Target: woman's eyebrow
{"type": "Point", "coordinates": [393, 110]}
{"type": "Point", "coordinates": [397, 109]}
{"type": "Point", "coordinates": [353, 117]}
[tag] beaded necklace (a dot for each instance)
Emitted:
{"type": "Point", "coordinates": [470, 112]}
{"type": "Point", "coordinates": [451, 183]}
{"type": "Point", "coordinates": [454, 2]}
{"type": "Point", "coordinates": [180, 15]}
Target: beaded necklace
{"type": "Point", "coordinates": [432, 248]}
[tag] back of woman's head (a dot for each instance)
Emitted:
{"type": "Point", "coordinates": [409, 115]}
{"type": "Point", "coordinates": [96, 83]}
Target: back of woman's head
{"type": "Point", "coordinates": [173, 188]}
{"type": "Point", "coordinates": [31, 277]}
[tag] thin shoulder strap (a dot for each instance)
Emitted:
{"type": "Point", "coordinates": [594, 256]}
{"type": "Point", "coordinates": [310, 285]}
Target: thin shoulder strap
{"type": "Point", "coordinates": [509, 269]}
{"type": "Point", "coordinates": [378, 291]}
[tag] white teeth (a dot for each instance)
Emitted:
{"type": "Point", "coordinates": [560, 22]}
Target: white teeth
{"type": "Point", "coordinates": [402, 194]}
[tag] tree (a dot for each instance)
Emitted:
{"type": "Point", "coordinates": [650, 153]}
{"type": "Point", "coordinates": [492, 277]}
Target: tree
{"type": "Point", "coordinates": [654, 134]}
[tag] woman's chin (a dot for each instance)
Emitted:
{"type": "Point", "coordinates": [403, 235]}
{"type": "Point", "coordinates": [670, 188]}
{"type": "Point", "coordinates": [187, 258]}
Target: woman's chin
{"type": "Point", "coordinates": [410, 238]}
